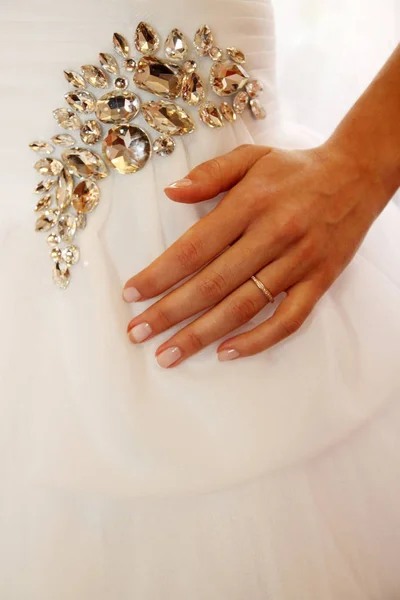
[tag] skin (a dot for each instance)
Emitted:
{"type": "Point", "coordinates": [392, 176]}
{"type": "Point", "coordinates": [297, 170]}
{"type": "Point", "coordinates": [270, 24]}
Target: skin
{"type": "Point", "coordinates": [294, 218]}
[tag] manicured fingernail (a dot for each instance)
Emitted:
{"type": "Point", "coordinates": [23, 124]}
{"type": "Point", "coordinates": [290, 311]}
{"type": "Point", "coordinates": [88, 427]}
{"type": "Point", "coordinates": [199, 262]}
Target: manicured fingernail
{"type": "Point", "coordinates": [169, 357]}
{"type": "Point", "coordinates": [225, 355]}
{"type": "Point", "coordinates": [140, 333]}
{"type": "Point", "coordinates": [131, 294]}
{"type": "Point", "coordinates": [181, 183]}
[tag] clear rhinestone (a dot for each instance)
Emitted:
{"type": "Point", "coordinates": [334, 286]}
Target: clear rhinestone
{"type": "Point", "coordinates": [47, 220]}
{"type": "Point", "coordinates": [81, 101]}
{"type": "Point", "coordinates": [95, 76]}
{"type": "Point", "coordinates": [81, 221]}
{"type": "Point", "coordinates": [240, 102]}
{"type": "Point", "coordinates": [121, 45]}
{"type": "Point", "coordinates": [236, 55]}
{"type": "Point", "coordinates": [189, 66]}
{"type": "Point", "coordinates": [108, 63]}
{"type": "Point", "coordinates": [66, 227]}
{"type": "Point", "coordinates": [254, 88]}
{"type": "Point", "coordinates": [43, 203]}
{"type": "Point", "coordinates": [228, 112]}
{"type": "Point", "coordinates": [91, 132]}
{"type": "Point", "coordinates": [210, 115]}
{"type": "Point", "coordinates": [55, 254]}
{"type": "Point", "coordinates": [164, 145]}
{"type": "Point", "coordinates": [117, 107]}
{"type": "Point", "coordinates": [167, 117]}
{"type": "Point", "coordinates": [130, 65]}
{"type": "Point", "coordinates": [75, 79]}
{"type": "Point", "coordinates": [64, 139]}
{"type": "Point", "coordinates": [45, 186]}
{"type": "Point", "coordinates": [176, 47]}
{"type": "Point", "coordinates": [70, 255]}
{"type": "Point", "coordinates": [258, 111]}
{"type": "Point", "coordinates": [66, 118]}
{"type": "Point", "coordinates": [158, 77]}
{"type": "Point", "coordinates": [215, 53]}
{"type": "Point", "coordinates": [64, 189]}
{"type": "Point", "coordinates": [146, 39]}
{"type": "Point", "coordinates": [48, 166]}
{"type": "Point", "coordinates": [41, 147]}
{"type": "Point", "coordinates": [84, 163]}
{"type": "Point", "coordinates": [120, 83]}
{"type": "Point", "coordinates": [53, 239]}
{"type": "Point", "coordinates": [227, 77]}
{"type": "Point", "coordinates": [203, 40]}
{"type": "Point", "coordinates": [192, 89]}
{"type": "Point", "coordinates": [127, 148]}
{"type": "Point", "coordinates": [61, 275]}
{"type": "Point", "coordinates": [85, 197]}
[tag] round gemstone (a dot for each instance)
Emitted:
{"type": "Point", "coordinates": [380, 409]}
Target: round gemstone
{"type": "Point", "coordinates": [53, 239]}
{"type": "Point", "coordinates": [129, 65]}
{"type": "Point", "coordinates": [189, 66]}
{"type": "Point", "coordinates": [85, 197]}
{"type": "Point", "coordinates": [118, 106]}
{"type": "Point", "coordinates": [70, 255]}
{"type": "Point", "coordinates": [121, 83]}
{"type": "Point", "coordinates": [215, 53]}
{"type": "Point", "coordinates": [127, 148]}
{"type": "Point", "coordinates": [91, 132]}
{"type": "Point", "coordinates": [164, 145]}
{"type": "Point", "coordinates": [55, 254]}
{"type": "Point", "coordinates": [254, 88]}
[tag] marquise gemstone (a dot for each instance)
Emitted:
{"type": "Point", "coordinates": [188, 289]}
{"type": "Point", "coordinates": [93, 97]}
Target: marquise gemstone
{"type": "Point", "coordinates": [84, 163]}
{"type": "Point", "coordinates": [167, 117]}
{"type": "Point", "coordinates": [158, 77]}
{"type": "Point", "coordinates": [94, 76]}
{"type": "Point", "coordinates": [64, 189]}
{"type": "Point", "coordinates": [109, 63]}
{"type": "Point", "coordinates": [81, 100]}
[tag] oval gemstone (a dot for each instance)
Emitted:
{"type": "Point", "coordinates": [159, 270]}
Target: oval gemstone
{"type": "Point", "coordinates": [85, 196]}
{"type": "Point", "coordinates": [127, 148]}
{"type": "Point", "coordinates": [117, 107]}
{"type": "Point", "coordinates": [227, 77]}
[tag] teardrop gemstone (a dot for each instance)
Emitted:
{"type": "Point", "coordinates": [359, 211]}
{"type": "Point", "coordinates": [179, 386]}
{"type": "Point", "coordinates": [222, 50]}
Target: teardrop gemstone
{"type": "Point", "coordinates": [146, 39]}
{"type": "Point", "coordinates": [227, 77]}
{"type": "Point", "coordinates": [176, 46]}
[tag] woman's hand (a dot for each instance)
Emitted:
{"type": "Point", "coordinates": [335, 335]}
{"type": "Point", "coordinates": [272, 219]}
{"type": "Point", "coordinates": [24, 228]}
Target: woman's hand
{"type": "Point", "coordinates": [292, 218]}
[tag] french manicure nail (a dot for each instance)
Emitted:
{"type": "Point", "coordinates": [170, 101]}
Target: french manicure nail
{"type": "Point", "coordinates": [225, 355]}
{"type": "Point", "coordinates": [140, 332]}
{"type": "Point", "coordinates": [131, 294]}
{"type": "Point", "coordinates": [169, 357]}
{"type": "Point", "coordinates": [181, 183]}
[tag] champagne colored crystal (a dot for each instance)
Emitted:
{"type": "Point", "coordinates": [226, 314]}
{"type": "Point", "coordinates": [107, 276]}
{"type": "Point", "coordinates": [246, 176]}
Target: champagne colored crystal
{"type": "Point", "coordinates": [127, 148]}
{"type": "Point", "coordinates": [227, 77]}
{"type": "Point", "coordinates": [129, 65]}
{"type": "Point", "coordinates": [66, 227]}
{"type": "Point", "coordinates": [121, 45]}
{"type": "Point", "coordinates": [70, 255]}
{"type": "Point", "coordinates": [90, 132]}
{"type": "Point", "coordinates": [254, 88]}
{"type": "Point", "coordinates": [84, 163]}
{"type": "Point", "coordinates": [66, 118]}
{"type": "Point", "coordinates": [189, 66]}
{"type": "Point", "coordinates": [158, 77]}
{"type": "Point", "coordinates": [167, 117]}
{"type": "Point", "coordinates": [41, 147]}
{"type": "Point", "coordinates": [164, 145]}
{"type": "Point", "coordinates": [81, 221]}
{"type": "Point", "coordinates": [210, 115]}
{"type": "Point", "coordinates": [43, 203]}
{"type": "Point", "coordinates": [146, 39]}
{"type": "Point", "coordinates": [228, 112]}
{"type": "Point", "coordinates": [45, 186]}
{"type": "Point", "coordinates": [109, 63]}
{"type": "Point", "coordinates": [240, 102]}
{"type": "Point", "coordinates": [55, 254]}
{"type": "Point", "coordinates": [117, 107]}
{"type": "Point", "coordinates": [81, 100]}
{"type": "Point", "coordinates": [257, 110]}
{"type": "Point", "coordinates": [215, 53]}
{"type": "Point", "coordinates": [203, 40]}
{"type": "Point", "coordinates": [85, 197]}
{"type": "Point", "coordinates": [64, 189]}
{"type": "Point", "coordinates": [176, 46]}
{"type": "Point", "coordinates": [53, 239]}
{"type": "Point", "coordinates": [47, 220]}
{"type": "Point", "coordinates": [63, 139]}
{"type": "Point", "coordinates": [236, 55]}
{"type": "Point", "coordinates": [192, 89]}
{"type": "Point", "coordinates": [95, 76]}
{"type": "Point", "coordinates": [61, 275]}
{"type": "Point", "coordinates": [48, 166]}
{"type": "Point", "coordinates": [121, 83]}
{"type": "Point", "coordinates": [75, 79]}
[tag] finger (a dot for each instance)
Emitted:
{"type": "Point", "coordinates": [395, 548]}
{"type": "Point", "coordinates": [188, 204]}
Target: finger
{"type": "Point", "coordinates": [212, 177]}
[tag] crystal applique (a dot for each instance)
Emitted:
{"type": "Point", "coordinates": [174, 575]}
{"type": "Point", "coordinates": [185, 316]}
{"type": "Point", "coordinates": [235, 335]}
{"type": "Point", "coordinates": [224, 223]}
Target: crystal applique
{"type": "Point", "coordinates": [121, 45]}
{"type": "Point", "coordinates": [61, 275]}
{"type": "Point", "coordinates": [45, 186]}
{"type": "Point", "coordinates": [121, 83]}
{"type": "Point", "coordinates": [75, 79]}
{"type": "Point", "coordinates": [90, 132]}
{"type": "Point", "coordinates": [189, 66]}
{"type": "Point", "coordinates": [210, 115]}
{"type": "Point", "coordinates": [228, 112]}
{"type": "Point", "coordinates": [164, 145]}
{"type": "Point", "coordinates": [47, 220]}
{"type": "Point", "coordinates": [63, 139]}
{"type": "Point", "coordinates": [117, 107]}
{"type": "Point", "coordinates": [53, 239]}
{"type": "Point", "coordinates": [66, 227]}
{"type": "Point", "coordinates": [81, 221]}
{"type": "Point", "coordinates": [146, 39]}
{"type": "Point", "coordinates": [41, 147]}
{"type": "Point", "coordinates": [236, 55]}
{"type": "Point", "coordinates": [109, 63]}
{"type": "Point", "coordinates": [85, 197]}
{"type": "Point", "coordinates": [81, 100]}
{"type": "Point", "coordinates": [48, 166]}
{"type": "Point", "coordinates": [95, 76]}
{"type": "Point", "coordinates": [127, 148]}
{"type": "Point", "coordinates": [192, 89]}
{"type": "Point", "coordinates": [254, 88]}
{"type": "Point", "coordinates": [167, 117]}
{"type": "Point", "coordinates": [240, 102]}
{"type": "Point", "coordinates": [215, 53]}
{"type": "Point", "coordinates": [258, 111]}
{"type": "Point", "coordinates": [84, 163]}
{"type": "Point", "coordinates": [203, 40]}
{"type": "Point", "coordinates": [66, 118]}
{"type": "Point", "coordinates": [70, 255]}
{"type": "Point", "coordinates": [227, 77]}
{"type": "Point", "coordinates": [64, 189]}
{"type": "Point", "coordinates": [158, 77]}
{"type": "Point", "coordinates": [55, 254]}
{"type": "Point", "coordinates": [129, 65]}
{"type": "Point", "coordinates": [43, 203]}
{"type": "Point", "coordinates": [176, 47]}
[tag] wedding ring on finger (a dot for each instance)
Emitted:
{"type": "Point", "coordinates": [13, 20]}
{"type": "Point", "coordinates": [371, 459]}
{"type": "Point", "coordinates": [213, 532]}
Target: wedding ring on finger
{"type": "Point", "coordinates": [264, 290]}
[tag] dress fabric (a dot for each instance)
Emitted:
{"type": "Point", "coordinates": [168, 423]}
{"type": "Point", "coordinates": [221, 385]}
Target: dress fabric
{"type": "Point", "coordinates": [271, 477]}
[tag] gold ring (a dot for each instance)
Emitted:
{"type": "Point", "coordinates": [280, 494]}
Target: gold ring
{"type": "Point", "coordinates": [264, 290]}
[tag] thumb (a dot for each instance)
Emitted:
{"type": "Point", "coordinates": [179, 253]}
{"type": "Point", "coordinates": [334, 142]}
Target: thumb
{"type": "Point", "coordinates": [217, 175]}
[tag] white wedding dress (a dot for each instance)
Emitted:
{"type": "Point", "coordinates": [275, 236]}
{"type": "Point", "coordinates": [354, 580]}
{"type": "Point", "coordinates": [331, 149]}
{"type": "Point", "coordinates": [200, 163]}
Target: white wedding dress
{"type": "Point", "coordinates": [271, 477]}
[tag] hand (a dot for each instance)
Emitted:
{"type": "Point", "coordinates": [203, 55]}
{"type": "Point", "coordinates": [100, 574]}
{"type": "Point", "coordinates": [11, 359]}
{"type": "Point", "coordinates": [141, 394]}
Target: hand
{"type": "Point", "coordinates": [292, 218]}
